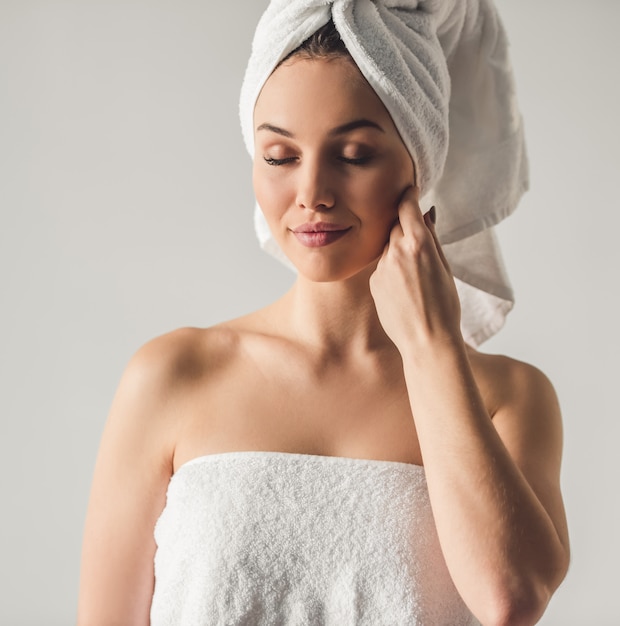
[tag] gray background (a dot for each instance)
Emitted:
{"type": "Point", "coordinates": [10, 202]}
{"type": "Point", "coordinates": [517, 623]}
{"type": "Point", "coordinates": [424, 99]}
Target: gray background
{"type": "Point", "coordinates": [125, 206]}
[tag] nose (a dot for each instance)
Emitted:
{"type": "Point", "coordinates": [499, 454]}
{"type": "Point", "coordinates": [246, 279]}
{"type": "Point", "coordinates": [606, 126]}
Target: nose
{"type": "Point", "coordinates": [314, 186]}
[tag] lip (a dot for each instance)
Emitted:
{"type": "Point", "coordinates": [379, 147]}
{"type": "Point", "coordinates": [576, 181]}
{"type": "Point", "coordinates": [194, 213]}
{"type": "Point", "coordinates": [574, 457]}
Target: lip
{"type": "Point", "coordinates": [319, 227]}
{"type": "Point", "coordinates": [319, 234]}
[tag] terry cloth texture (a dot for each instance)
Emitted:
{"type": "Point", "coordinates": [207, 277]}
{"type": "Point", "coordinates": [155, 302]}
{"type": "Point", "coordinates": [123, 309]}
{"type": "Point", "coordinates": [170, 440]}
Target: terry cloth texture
{"type": "Point", "coordinates": [442, 69]}
{"type": "Point", "coordinates": [263, 538]}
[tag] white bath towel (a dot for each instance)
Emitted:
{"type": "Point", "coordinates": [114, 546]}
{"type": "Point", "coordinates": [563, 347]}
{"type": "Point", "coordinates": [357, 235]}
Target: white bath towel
{"type": "Point", "coordinates": [263, 538]}
{"type": "Point", "coordinates": [441, 68]}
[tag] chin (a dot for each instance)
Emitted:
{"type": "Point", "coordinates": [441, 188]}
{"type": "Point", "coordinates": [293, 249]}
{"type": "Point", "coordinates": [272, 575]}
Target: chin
{"type": "Point", "coordinates": [324, 270]}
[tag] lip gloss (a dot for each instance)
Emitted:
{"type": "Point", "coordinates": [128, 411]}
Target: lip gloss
{"type": "Point", "coordinates": [319, 234]}
{"type": "Point", "coordinates": [317, 239]}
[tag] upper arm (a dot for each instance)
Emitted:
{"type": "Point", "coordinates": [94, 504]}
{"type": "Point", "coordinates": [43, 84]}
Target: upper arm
{"type": "Point", "coordinates": [128, 492]}
{"type": "Point", "coordinates": [529, 423]}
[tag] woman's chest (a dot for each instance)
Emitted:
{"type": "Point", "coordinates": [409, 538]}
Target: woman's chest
{"type": "Point", "coordinates": [291, 407]}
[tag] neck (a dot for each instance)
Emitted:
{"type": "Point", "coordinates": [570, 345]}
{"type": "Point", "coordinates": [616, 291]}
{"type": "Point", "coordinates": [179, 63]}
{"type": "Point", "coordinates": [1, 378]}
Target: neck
{"type": "Point", "coordinates": [337, 318]}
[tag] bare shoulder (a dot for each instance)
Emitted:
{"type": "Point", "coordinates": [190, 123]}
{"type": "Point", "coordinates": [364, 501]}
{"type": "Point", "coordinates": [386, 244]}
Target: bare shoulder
{"type": "Point", "coordinates": [158, 383]}
{"type": "Point", "coordinates": [134, 466]}
{"type": "Point", "coordinates": [509, 383]}
{"type": "Point", "coordinates": [181, 353]}
{"type": "Point", "coordinates": [527, 417]}
{"type": "Point", "coordinates": [132, 472]}
{"type": "Point", "coordinates": [526, 414]}
{"type": "Point", "coordinates": [169, 364]}
{"type": "Point", "coordinates": [173, 363]}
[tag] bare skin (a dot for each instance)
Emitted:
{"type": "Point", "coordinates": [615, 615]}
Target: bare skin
{"type": "Point", "coordinates": [363, 357]}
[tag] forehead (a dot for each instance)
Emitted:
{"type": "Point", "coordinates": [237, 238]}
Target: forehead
{"type": "Point", "coordinates": [318, 94]}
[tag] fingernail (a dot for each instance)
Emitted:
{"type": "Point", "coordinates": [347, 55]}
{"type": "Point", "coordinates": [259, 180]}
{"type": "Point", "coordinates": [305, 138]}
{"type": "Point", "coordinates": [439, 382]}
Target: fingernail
{"type": "Point", "coordinates": [433, 214]}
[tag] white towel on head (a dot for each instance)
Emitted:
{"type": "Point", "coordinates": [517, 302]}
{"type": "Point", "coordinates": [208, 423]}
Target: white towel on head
{"type": "Point", "coordinates": [441, 68]}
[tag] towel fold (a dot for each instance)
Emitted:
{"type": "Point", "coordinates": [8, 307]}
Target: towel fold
{"type": "Point", "coordinates": [442, 70]}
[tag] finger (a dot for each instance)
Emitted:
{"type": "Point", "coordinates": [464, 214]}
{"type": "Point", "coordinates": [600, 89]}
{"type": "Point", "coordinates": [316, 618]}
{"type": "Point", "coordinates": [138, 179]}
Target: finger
{"type": "Point", "coordinates": [409, 213]}
{"type": "Point", "coordinates": [396, 231]}
{"type": "Point", "coordinates": [397, 228]}
{"type": "Point", "coordinates": [429, 220]}
{"type": "Point", "coordinates": [382, 256]}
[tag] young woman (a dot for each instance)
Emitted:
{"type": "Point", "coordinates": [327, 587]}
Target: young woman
{"type": "Point", "coordinates": [342, 455]}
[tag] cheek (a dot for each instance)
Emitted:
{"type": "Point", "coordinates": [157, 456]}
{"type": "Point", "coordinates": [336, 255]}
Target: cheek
{"type": "Point", "coordinates": [270, 191]}
{"type": "Point", "coordinates": [381, 190]}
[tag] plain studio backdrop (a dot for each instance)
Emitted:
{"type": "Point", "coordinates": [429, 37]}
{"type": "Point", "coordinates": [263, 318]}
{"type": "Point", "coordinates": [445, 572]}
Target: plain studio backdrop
{"type": "Point", "coordinates": [126, 211]}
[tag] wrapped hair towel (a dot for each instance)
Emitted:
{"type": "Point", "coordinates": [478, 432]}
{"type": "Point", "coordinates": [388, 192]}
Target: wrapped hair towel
{"type": "Point", "coordinates": [442, 70]}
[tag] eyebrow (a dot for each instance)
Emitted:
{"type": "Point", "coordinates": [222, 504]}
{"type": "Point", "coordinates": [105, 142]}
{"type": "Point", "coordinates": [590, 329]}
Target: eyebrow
{"type": "Point", "coordinates": [339, 130]}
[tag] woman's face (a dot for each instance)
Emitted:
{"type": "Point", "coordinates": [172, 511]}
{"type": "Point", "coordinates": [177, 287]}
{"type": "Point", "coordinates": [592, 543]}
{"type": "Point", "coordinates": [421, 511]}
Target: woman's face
{"type": "Point", "coordinates": [329, 166]}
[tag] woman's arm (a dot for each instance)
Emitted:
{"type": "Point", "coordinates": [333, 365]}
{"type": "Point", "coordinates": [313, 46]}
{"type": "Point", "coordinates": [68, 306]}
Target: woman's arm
{"type": "Point", "coordinates": [493, 483]}
{"type": "Point", "coordinates": [131, 475]}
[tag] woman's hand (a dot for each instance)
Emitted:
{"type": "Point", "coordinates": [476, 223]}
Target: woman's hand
{"type": "Point", "coordinates": [412, 286]}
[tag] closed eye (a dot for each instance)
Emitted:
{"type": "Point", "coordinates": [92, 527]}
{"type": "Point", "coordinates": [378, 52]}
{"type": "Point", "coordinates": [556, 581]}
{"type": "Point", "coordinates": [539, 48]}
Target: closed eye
{"type": "Point", "coordinates": [359, 161]}
{"type": "Point", "coordinates": [349, 161]}
{"type": "Point", "coordinates": [271, 161]}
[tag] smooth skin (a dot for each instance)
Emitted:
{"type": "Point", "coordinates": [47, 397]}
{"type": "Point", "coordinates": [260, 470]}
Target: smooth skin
{"type": "Point", "coordinates": [363, 357]}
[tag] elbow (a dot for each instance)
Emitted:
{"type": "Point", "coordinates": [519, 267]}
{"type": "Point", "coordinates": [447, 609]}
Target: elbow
{"type": "Point", "coordinates": [524, 600]}
{"type": "Point", "coordinates": [515, 611]}
{"type": "Point", "coordinates": [522, 605]}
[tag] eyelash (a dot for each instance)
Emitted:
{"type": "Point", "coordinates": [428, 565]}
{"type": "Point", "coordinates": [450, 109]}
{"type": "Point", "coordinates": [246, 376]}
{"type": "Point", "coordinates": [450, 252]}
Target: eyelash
{"type": "Point", "coordinates": [276, 162]}
{"type": "Point", "coordinates": [271, 161]}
